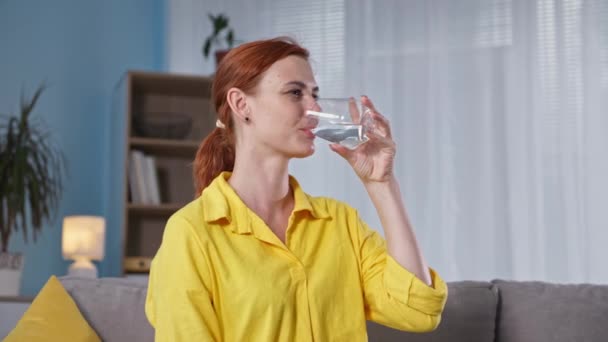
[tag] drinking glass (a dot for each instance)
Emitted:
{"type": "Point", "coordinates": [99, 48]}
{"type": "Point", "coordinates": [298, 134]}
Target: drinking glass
{"type": "Point", "coordinates": [335, 121]}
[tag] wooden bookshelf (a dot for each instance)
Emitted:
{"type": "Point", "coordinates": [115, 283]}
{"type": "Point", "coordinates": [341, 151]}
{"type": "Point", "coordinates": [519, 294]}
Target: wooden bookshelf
{"type": "Point", "coordinates": [152, 93]}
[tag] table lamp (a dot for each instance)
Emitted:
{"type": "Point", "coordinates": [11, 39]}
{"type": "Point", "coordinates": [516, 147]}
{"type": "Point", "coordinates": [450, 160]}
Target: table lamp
{"type": "Point", "coordinates": [83, 240]}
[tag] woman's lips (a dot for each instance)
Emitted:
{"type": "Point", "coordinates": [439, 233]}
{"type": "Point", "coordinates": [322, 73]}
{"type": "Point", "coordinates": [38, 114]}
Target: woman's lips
{"type": "Point", "coordinates": [308, 132]}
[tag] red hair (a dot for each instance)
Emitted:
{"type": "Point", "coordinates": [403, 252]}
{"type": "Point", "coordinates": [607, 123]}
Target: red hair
{"type": "Point", "coordinates": [241, 68]}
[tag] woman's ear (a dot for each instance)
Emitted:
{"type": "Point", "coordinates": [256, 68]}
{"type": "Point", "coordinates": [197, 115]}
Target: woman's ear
{"type": "Point", "coordinates": [237, 100]}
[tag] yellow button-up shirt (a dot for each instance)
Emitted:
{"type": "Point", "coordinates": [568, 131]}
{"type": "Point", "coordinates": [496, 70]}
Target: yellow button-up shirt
{"type": "Point", "coordinates": [221, 274]}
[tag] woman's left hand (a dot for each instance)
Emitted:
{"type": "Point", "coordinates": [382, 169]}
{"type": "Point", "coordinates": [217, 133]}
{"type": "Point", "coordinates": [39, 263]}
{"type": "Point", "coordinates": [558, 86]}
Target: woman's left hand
{"type": "Point", "coordinates": [373, 160]}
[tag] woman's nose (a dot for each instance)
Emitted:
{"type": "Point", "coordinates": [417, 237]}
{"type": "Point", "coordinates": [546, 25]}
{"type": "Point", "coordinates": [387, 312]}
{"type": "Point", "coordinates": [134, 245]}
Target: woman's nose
{"type": "Point", "coordinates": [313, 105]}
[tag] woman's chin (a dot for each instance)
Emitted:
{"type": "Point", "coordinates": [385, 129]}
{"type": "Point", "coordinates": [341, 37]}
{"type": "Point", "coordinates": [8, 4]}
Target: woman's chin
{"type": "Point", "coordinates": [305, 151]}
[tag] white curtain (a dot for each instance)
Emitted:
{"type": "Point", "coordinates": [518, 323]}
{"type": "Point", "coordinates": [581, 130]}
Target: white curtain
{"type": "Point", "coordinates": [499, 109]}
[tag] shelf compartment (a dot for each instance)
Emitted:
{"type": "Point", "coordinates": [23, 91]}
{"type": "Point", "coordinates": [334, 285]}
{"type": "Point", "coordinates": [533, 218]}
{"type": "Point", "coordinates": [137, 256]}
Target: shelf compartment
{"type": "Point", "coordinates": [144, 235]}
{"type": "Point", "coordinates": [171, 84]}
{"type": "Point", "coordinates": [175, 184]}
{"type": "Point", "coordinates": [177, 148]}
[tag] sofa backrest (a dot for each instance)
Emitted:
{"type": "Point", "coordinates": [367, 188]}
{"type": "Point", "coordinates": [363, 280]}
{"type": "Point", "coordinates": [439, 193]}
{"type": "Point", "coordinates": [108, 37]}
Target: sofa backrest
{"type": "Point", "coordinates": [544, 312]}
{"type": "Point", "coordinates": [114, 307]}
{"type": "Point", "coordinates": [525, 311]}
{"type": "Point", "coordinates": [469, 315]}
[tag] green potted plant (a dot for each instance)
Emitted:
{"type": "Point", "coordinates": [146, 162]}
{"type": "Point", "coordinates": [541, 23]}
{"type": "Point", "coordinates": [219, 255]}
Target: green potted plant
{"type": "Point", "coordinates": [222, 37]}
{"type": "Point", "coordinates": [31, 171]}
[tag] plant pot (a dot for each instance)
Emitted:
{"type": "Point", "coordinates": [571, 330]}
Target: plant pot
{"type": "Point", "coordinates": [11, 269]}
{"type": "Point", "coordinates": [219, 55]}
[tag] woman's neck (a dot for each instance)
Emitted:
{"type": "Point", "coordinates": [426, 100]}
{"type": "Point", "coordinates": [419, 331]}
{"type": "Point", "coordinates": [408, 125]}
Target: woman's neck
{"type": "Point", "coordinates": [262, 184]}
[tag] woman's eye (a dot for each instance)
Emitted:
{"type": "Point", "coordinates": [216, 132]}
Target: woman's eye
{"type": "Point", "coordinates": [296, 92]}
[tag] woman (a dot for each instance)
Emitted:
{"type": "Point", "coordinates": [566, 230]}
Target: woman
{"type": "Point", "coordinates": [254, 258]}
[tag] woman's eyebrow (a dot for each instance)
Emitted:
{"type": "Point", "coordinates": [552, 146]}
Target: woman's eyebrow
{"type": "Point", "coordinates": [301, 85]}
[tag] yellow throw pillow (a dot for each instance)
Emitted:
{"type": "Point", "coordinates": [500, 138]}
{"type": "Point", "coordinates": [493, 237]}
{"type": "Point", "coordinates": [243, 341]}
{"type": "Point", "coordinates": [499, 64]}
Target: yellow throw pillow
{"type": "Point", "coordinates": [52, 316]}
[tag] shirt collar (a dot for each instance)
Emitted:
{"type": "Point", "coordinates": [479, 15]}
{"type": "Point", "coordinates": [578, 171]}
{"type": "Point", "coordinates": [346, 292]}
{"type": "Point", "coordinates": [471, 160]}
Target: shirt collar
{"type": "Point", "coordinates": [220, 202]}
{"type": "Point", "coordinates": [303, 202]}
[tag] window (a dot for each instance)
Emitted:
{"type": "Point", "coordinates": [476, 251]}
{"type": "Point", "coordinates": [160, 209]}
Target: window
{"type": "Point", "coordinates": [319, 26]}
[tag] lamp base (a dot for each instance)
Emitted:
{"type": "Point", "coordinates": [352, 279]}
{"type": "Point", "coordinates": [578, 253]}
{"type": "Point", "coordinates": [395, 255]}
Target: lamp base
{"type": "Point", "coordinates": [82, 268]}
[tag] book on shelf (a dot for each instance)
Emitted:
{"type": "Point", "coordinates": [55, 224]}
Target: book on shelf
{"type": "Point", "coordinates": [152, 180]}
{"type": "Point", "coordinates": [143, 179]}
{"type": "Point", "coordinates": [136, 178]}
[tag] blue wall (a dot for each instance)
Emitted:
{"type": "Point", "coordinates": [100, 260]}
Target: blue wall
{"type": "Point", "coordinates": [81, 48]}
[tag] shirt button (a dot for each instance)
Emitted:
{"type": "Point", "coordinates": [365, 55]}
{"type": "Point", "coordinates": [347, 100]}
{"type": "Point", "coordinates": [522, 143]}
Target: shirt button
{"type": "Point", "coordinates": [297, 274]}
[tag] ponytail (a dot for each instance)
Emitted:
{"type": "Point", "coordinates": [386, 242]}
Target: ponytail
{"type": "Point", "coordinates": [215, 155]}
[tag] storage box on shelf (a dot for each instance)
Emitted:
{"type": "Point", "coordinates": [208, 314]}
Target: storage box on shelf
{"type": "Point", "coordinates": [167, 117]}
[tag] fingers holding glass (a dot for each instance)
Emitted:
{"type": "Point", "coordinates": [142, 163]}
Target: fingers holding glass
{"type": "Point", "coordinates": [376, 123]}
{"type": "Point", "coordinates": [353, 108]}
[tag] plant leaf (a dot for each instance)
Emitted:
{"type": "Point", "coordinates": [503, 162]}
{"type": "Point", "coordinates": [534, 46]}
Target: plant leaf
{"type": "Point", "coordinates": [31, 172]}
{"type": "Point", "coordinates": [230, 38]}
{"type": "Point", "coordinates": [207, 47]}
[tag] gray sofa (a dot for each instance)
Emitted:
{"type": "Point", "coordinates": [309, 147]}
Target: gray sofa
{"type": "Point", "coordinates": [500, 311]}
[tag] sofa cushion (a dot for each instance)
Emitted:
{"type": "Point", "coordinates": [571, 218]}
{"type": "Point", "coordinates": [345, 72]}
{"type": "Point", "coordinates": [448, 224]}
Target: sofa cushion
{"type": "Point", "coordinates": [469, 315]}
{"type": "Point", "coordinates": [52, 316]}
{"type": "Point", "coordinates": [114, 307]}
{"type": "Point", "coordinates": [539, 312]}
